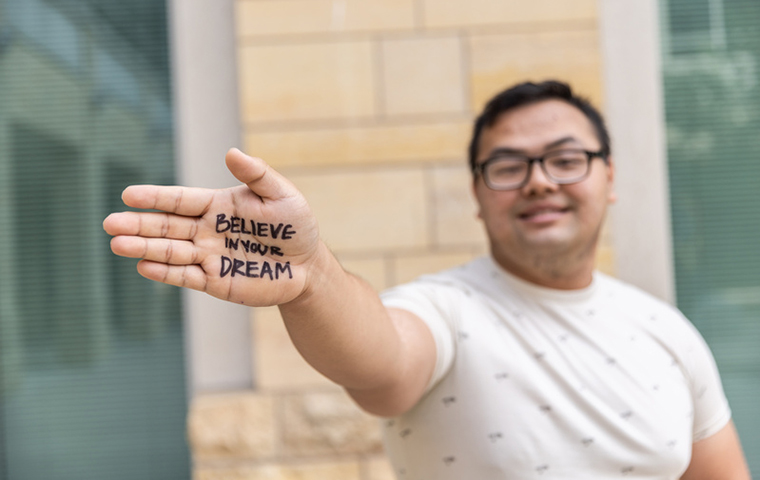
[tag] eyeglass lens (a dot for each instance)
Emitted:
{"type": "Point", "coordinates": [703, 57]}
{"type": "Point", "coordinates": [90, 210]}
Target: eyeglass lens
{"type": "Point", "coordinates": [509, 171]}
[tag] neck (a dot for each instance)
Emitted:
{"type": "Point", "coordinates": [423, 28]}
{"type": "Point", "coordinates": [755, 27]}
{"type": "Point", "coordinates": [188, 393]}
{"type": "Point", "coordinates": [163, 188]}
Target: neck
{"type": "Point", "coordinates": [558, 271]}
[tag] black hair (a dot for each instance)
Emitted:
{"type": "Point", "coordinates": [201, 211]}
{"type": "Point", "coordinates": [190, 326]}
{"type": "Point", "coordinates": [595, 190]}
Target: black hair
{"type": "Point", "coordinates": [527, 93]}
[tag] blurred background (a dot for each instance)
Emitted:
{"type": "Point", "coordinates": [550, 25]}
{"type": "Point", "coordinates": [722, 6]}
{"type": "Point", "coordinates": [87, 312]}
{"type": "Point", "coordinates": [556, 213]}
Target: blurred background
{"type": "Point", "coordinates": [366, 105]}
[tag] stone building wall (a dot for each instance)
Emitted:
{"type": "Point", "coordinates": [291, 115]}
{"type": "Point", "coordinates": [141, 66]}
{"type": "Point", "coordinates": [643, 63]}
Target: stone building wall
{"type": "Point", "coordinates": [367, 106]}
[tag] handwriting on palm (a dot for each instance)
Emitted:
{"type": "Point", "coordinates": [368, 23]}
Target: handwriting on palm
{"type": "Point", "coordinates": [250, 244]}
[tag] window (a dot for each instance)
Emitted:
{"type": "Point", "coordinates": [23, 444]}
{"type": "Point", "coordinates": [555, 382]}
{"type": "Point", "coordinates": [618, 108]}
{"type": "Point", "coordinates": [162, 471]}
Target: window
{"type": "Point", "coordinates": [694, 26]}
{"type": "Point", "coordinates": [712, 104]}
{"type": "Point", "coordinates": [92, 377]}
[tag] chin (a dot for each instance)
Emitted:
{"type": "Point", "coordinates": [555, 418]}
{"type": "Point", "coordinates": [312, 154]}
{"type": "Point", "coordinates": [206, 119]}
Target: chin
{"type": "Point", "coordinates": [547, 239]}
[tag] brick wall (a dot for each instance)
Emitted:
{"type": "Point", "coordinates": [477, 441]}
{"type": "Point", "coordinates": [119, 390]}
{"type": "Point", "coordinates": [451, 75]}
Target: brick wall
{"type": "Point", "coordinates": [367, 105]}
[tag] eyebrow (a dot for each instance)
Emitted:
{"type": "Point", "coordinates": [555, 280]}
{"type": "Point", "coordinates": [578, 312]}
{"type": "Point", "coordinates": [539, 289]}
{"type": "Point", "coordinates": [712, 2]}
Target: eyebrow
{"type": "Point", "coordinates": [561, 141]}
{"type": "Point", "coordinates": [548, 146]}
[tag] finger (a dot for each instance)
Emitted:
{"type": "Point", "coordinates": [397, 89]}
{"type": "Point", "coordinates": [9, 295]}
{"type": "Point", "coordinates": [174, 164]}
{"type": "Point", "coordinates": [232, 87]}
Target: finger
{"type": "Point", "coordinates": [174, 252]}
{"type": "Point", "coordinates": [189, 276]}
{"type": "Point", "coordinates": [260, 177]}
{"type": "Point", "coordinates": [155, 225]}
{"type": "Point", "coordinates": [193, 202]}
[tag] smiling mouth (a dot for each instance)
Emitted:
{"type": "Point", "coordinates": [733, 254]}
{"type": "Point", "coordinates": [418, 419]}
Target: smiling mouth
{"type": "Point", "coordinates": [543, 215]}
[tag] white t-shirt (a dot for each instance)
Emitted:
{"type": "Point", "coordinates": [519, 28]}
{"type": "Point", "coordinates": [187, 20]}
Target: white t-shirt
{"type": "Point", "coordinates": [532, 382]}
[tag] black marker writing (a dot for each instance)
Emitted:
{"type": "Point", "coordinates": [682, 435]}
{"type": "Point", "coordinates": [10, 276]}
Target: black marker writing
{"type": "Point", "coordinates": [251, 247]}
{"type": "Point", "coordinates": [263, 269]}
{"type": "Point", "coordinates": [251, 227]}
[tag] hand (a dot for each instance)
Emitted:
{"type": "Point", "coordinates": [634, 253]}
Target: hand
{"type": "Point", "coordinates": [253, 244]}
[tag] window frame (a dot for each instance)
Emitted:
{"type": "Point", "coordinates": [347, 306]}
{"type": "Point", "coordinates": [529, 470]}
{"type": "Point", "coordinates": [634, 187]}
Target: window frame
{"type": "Point", "coordinates": [640, 222]}
{"type": "Point", "coordinates": [204, 72]}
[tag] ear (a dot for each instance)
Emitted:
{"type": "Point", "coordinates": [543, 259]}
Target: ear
{"type": "Point", "coordinates": [612, 196]}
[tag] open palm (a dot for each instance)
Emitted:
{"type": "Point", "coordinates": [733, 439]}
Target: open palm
{"type": "Point", "coordinates": [252, 244]}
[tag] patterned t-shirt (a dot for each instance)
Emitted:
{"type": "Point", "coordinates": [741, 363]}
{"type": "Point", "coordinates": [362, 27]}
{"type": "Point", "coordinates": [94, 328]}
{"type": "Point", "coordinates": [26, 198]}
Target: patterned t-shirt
{"type": "Point", "coordinates": [531, 382]}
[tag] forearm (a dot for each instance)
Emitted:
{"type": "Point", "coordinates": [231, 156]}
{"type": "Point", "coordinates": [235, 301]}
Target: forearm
{"type": "Point", "coordinates": [341, 328]}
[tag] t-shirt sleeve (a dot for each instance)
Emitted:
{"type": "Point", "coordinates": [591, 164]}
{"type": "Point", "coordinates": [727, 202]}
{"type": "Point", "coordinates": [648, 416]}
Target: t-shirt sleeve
{"type": "Point", "coordinates": [711, 409]}
{"type": "Point", "coordinates": [433, 305]}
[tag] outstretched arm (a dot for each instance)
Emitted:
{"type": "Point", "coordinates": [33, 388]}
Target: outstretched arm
{"type": "Point", "coordinates": [258, 244]}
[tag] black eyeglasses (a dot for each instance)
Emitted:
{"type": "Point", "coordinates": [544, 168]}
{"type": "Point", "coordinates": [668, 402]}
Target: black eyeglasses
{"type": "Point", "coordinates": [509, 171]}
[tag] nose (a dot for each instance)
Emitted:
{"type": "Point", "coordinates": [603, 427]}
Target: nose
{"type": "Point", "coordinates": [538, 183]}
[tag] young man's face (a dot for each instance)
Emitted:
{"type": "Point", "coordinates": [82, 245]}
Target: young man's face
{"type": "Point", "coordinates": [543, 219]}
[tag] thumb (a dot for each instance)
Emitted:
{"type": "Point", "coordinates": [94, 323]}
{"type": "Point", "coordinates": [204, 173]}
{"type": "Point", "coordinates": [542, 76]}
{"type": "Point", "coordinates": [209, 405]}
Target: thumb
{"type": "Point", "coordinates": [260, 177]}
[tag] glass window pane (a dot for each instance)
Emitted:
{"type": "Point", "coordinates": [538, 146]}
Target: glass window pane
{"type": "Point", "coordinates": [92, 379]}
{"type": "Point", "coordinates": [712, 104]}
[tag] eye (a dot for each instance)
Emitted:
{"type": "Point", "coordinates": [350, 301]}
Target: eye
{"type": "Point", "coordinates": [507, 167]}
{"type": "Point", "coordinates": [566, 160]}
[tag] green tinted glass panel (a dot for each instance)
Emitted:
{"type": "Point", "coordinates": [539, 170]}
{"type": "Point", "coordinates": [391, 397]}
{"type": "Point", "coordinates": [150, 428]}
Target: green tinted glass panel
{"type": "Point", "coordinates": [711, 68]}
{"type": "Point", "coordinates": [91, 354]}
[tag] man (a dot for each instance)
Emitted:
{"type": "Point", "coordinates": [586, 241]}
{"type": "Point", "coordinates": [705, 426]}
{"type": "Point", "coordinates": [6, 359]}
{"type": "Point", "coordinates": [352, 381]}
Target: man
{"type": "Point", "coordinates": [524, 364]}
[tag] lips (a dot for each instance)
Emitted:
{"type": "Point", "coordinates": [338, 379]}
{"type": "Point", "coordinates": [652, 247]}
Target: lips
{"type": "Point", "coordinates": [543, 213]}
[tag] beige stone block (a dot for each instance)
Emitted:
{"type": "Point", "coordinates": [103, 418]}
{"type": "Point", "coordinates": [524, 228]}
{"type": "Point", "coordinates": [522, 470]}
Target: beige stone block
{"type": "Point", "coordinates": [277, 363]}
{"type": "Point", "coordinates": [379, 469]}
{"type": "Point", "coordinates": [306, 81]}
{"type": "Point", "coordinates": [605, 252]}
{"type": "Point", "coordinates": [312, 471]}
{"type": "Point", "coordinates": [235, 425]}
{"type": "Point", "coordinates": [605, 259]}
{"type": "Point", "coordinates": [368, 210]}
{"type": "Point", "coordinates": [374, 271]}
{"type": "Point", "coordinates": [258, 18]}
{"type": "Point", "coordinates": [498, 61]}
{"type": "Point", "coordinates": [456, 210]}
{"type": "Point", "coordinates": [327, 423]}
{"type": "Point", "coordinates": [407, 268]}
{"type": "Point", "coordinates": [361, 145]}
{"type": "Point", "coordinates": [423, 76]}
{"type": "Point", "coordinates": [473, 13]}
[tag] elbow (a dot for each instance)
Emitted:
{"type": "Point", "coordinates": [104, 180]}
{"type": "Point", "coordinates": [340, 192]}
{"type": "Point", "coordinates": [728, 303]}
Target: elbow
{"type": "Point", "coordinates": [385, 402]}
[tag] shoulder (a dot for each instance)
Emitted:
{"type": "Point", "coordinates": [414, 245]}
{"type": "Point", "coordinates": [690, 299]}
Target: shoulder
{"type": "Point", "coordinates": [442, 299]}
{"type": "Point", "coordinates": [659, 319]}
{"type": "Point", "coordinates": [629, 296]}
{"type": "Point", "coordinates": [654, 315]}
